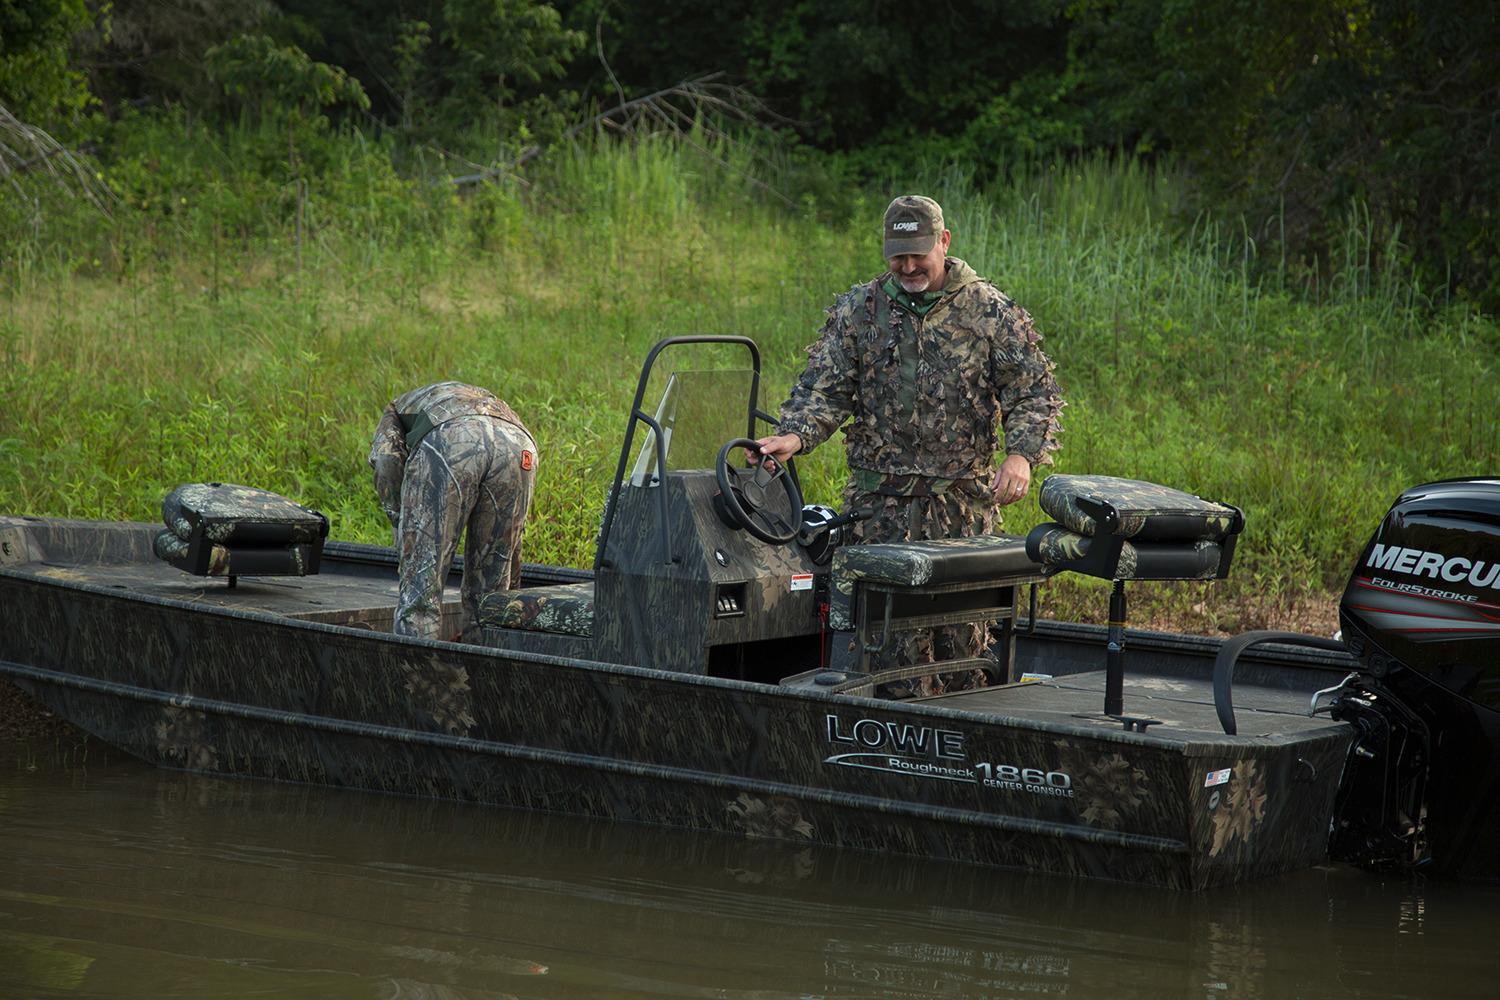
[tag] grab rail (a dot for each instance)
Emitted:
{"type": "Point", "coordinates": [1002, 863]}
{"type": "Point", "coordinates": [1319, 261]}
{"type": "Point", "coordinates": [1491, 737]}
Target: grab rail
{"type": "Point", "coordinates": [1229, 654]}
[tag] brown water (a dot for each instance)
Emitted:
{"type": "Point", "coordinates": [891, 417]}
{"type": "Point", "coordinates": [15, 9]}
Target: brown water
{"type": "Point", "coordinates": [120, 880]}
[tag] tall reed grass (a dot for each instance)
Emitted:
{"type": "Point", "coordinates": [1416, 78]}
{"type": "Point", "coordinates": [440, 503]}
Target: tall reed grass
{"type": "Point", "coordinates": [232, 322]}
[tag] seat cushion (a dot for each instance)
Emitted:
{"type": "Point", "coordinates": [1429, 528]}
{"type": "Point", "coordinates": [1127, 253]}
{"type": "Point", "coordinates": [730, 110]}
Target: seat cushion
{"type": "Point", "coordinates": [256, 560]}
{"type": "Point", "coordinates": [940, 561]}
{"type": "Point", "coordinates": [1148, 512]}
{"type": "Point", "coordinates": [565, 608]}
{"type": "Point", "coordinates": [923, 564]}
{"type": "Point", "coordinates": [1058, 546]}
{"type": "Point", "coordinates": [242, 515]}
{"type": "Point", "coordinates": [175, 550]}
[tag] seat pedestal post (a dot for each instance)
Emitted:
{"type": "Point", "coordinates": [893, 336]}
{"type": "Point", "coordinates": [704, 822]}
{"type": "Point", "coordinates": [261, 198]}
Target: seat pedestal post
{"type": "Point", "coordinates": [1114, 673]}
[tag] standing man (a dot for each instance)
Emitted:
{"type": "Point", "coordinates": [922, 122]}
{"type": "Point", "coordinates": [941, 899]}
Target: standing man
{"type": "Point", "coordinates": [938, 369]}
{"type": "Point", "coordinates": [448, 458]}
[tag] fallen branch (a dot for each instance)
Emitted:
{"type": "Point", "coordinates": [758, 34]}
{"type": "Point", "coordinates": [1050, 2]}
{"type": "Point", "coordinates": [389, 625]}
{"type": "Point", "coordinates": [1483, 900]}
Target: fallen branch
{"type": "Point", "coordinates": [24, 148]}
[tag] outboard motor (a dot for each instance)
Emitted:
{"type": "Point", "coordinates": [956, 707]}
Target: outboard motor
{"type": "Point", "coordinates": [1421, 613]}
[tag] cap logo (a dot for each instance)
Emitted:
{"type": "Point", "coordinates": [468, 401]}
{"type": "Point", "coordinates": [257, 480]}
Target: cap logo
{"type": "Point", "coordinates": [913, 224]}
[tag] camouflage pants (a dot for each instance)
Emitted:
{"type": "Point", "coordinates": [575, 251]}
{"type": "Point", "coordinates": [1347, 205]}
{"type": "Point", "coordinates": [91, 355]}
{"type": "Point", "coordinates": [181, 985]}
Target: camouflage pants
{"type": "Point", "coordinates": [954, 514]}
{"type": "Point", "coordinates": [472, 475]}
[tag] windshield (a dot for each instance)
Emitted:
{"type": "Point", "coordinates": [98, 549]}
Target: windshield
{"type": "Point", "coordinates": [697, 411]}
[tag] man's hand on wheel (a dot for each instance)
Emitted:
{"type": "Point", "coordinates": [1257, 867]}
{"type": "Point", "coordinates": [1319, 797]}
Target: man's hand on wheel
{"type": "Point", "coordinates": [778, 448]}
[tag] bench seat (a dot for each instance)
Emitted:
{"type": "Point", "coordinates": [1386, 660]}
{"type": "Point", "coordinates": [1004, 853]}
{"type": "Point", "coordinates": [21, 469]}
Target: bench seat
{"type": "Point", "coordinates": [564, 609]}
{"type": "Point", "coordinates": [940, 561]}
{"type": "Point", "coordinates": [943, 562]}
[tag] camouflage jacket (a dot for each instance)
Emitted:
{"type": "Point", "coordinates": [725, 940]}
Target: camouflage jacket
{"type": "Point", "coordinates": [929, 395]}
{"type": "Point", "coordinates": [410, 416]}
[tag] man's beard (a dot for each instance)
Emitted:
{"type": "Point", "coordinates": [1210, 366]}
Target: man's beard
{"type": "Point", "coordinates": [916, 284]}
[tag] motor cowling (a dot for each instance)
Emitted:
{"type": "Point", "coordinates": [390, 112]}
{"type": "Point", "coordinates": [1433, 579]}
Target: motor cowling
{"type": "Point", "coordinates": [1421, 612]}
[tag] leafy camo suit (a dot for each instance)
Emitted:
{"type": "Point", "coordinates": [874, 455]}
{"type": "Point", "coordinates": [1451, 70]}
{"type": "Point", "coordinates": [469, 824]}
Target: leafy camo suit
{"type": "Point", "coordinates": [934, 384]}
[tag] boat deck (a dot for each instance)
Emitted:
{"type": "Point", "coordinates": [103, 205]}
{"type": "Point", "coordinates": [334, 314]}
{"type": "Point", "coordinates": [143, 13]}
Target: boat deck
{"type": "Point", "coordinates": [341, 594]}
{"type": "Point", "coordinates": [1182, 706]}
{"type": "Point", "coordinates": [355, 585]}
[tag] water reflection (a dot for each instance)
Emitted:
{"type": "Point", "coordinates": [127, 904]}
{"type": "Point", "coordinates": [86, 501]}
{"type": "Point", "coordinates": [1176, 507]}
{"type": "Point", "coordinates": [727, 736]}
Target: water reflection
{"type": "Point", "coordinates": [125, 881]}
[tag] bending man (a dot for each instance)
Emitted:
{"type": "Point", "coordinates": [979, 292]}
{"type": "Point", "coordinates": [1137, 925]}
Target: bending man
{"type": "Point", "coordinates": [451, 458]}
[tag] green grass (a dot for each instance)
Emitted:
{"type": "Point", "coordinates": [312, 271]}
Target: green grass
{"type": "Point", "coordinates": [230, 325]}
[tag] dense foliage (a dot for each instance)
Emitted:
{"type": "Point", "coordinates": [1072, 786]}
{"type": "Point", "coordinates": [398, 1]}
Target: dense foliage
{"type": "Point", "coordinates": [38, 76]}
{"type": "Point", "coordinates": [1292, 115]}
{"type": "Point", "coordinates": [1288, 113]}
{"type": "Point", "coordinates": [1260, 239]}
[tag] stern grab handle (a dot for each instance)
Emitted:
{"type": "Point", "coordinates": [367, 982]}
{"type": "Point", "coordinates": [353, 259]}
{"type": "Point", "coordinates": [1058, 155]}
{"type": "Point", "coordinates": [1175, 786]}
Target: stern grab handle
{"type": "Point", "coordinates": [1229, 654]}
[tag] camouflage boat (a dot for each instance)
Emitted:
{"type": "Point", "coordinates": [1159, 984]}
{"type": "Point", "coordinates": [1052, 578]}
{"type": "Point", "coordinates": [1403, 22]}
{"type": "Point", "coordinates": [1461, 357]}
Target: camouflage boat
{"type": "Point", "coordinates": [718, 669]}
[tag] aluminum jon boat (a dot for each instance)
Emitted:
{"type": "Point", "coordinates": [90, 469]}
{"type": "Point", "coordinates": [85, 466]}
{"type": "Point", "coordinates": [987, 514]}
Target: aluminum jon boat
{"type": "Point", "coordinates": [722, 666]}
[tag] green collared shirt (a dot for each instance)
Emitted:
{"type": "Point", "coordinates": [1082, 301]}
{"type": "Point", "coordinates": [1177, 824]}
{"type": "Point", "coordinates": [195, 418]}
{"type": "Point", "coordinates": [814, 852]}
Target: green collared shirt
{"type": "Point", "coordinates": [921, 303]}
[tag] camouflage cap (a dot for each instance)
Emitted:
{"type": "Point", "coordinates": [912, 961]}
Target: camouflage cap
{"type": "Point", "coordinates": [913, 224]}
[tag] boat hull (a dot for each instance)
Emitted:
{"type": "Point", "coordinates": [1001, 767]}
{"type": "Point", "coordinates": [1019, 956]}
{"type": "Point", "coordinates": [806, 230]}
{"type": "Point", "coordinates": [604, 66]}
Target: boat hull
{"type": "Point", "coordinates": [255, 694]}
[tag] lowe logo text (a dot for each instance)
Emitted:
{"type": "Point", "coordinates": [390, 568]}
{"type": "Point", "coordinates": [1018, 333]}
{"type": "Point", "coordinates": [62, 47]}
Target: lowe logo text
{"type": "Point", "coordinates": [897, 737]}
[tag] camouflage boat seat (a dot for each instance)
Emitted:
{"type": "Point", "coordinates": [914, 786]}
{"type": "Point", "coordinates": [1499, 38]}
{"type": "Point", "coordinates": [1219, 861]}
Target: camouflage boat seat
{"type": "Point", "coordinates": [565, 609]}
{"type": "Point", "coordinates": [878, 590]}
{"type": "Point", "coordinates": [220, 529]}
{"type": "Point", "coordinates": [938, 562]}
{"type": "Point", "coordinates": [1127, 529]}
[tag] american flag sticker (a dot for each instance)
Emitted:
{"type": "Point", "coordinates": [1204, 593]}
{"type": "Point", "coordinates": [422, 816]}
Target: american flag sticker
{"type": "Point", "coordinates": [1217, 778]}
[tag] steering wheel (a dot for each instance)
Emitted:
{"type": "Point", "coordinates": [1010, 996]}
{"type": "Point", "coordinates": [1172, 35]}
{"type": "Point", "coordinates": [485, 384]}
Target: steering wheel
{"type": "Point", "coordinates": [746, 496]}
